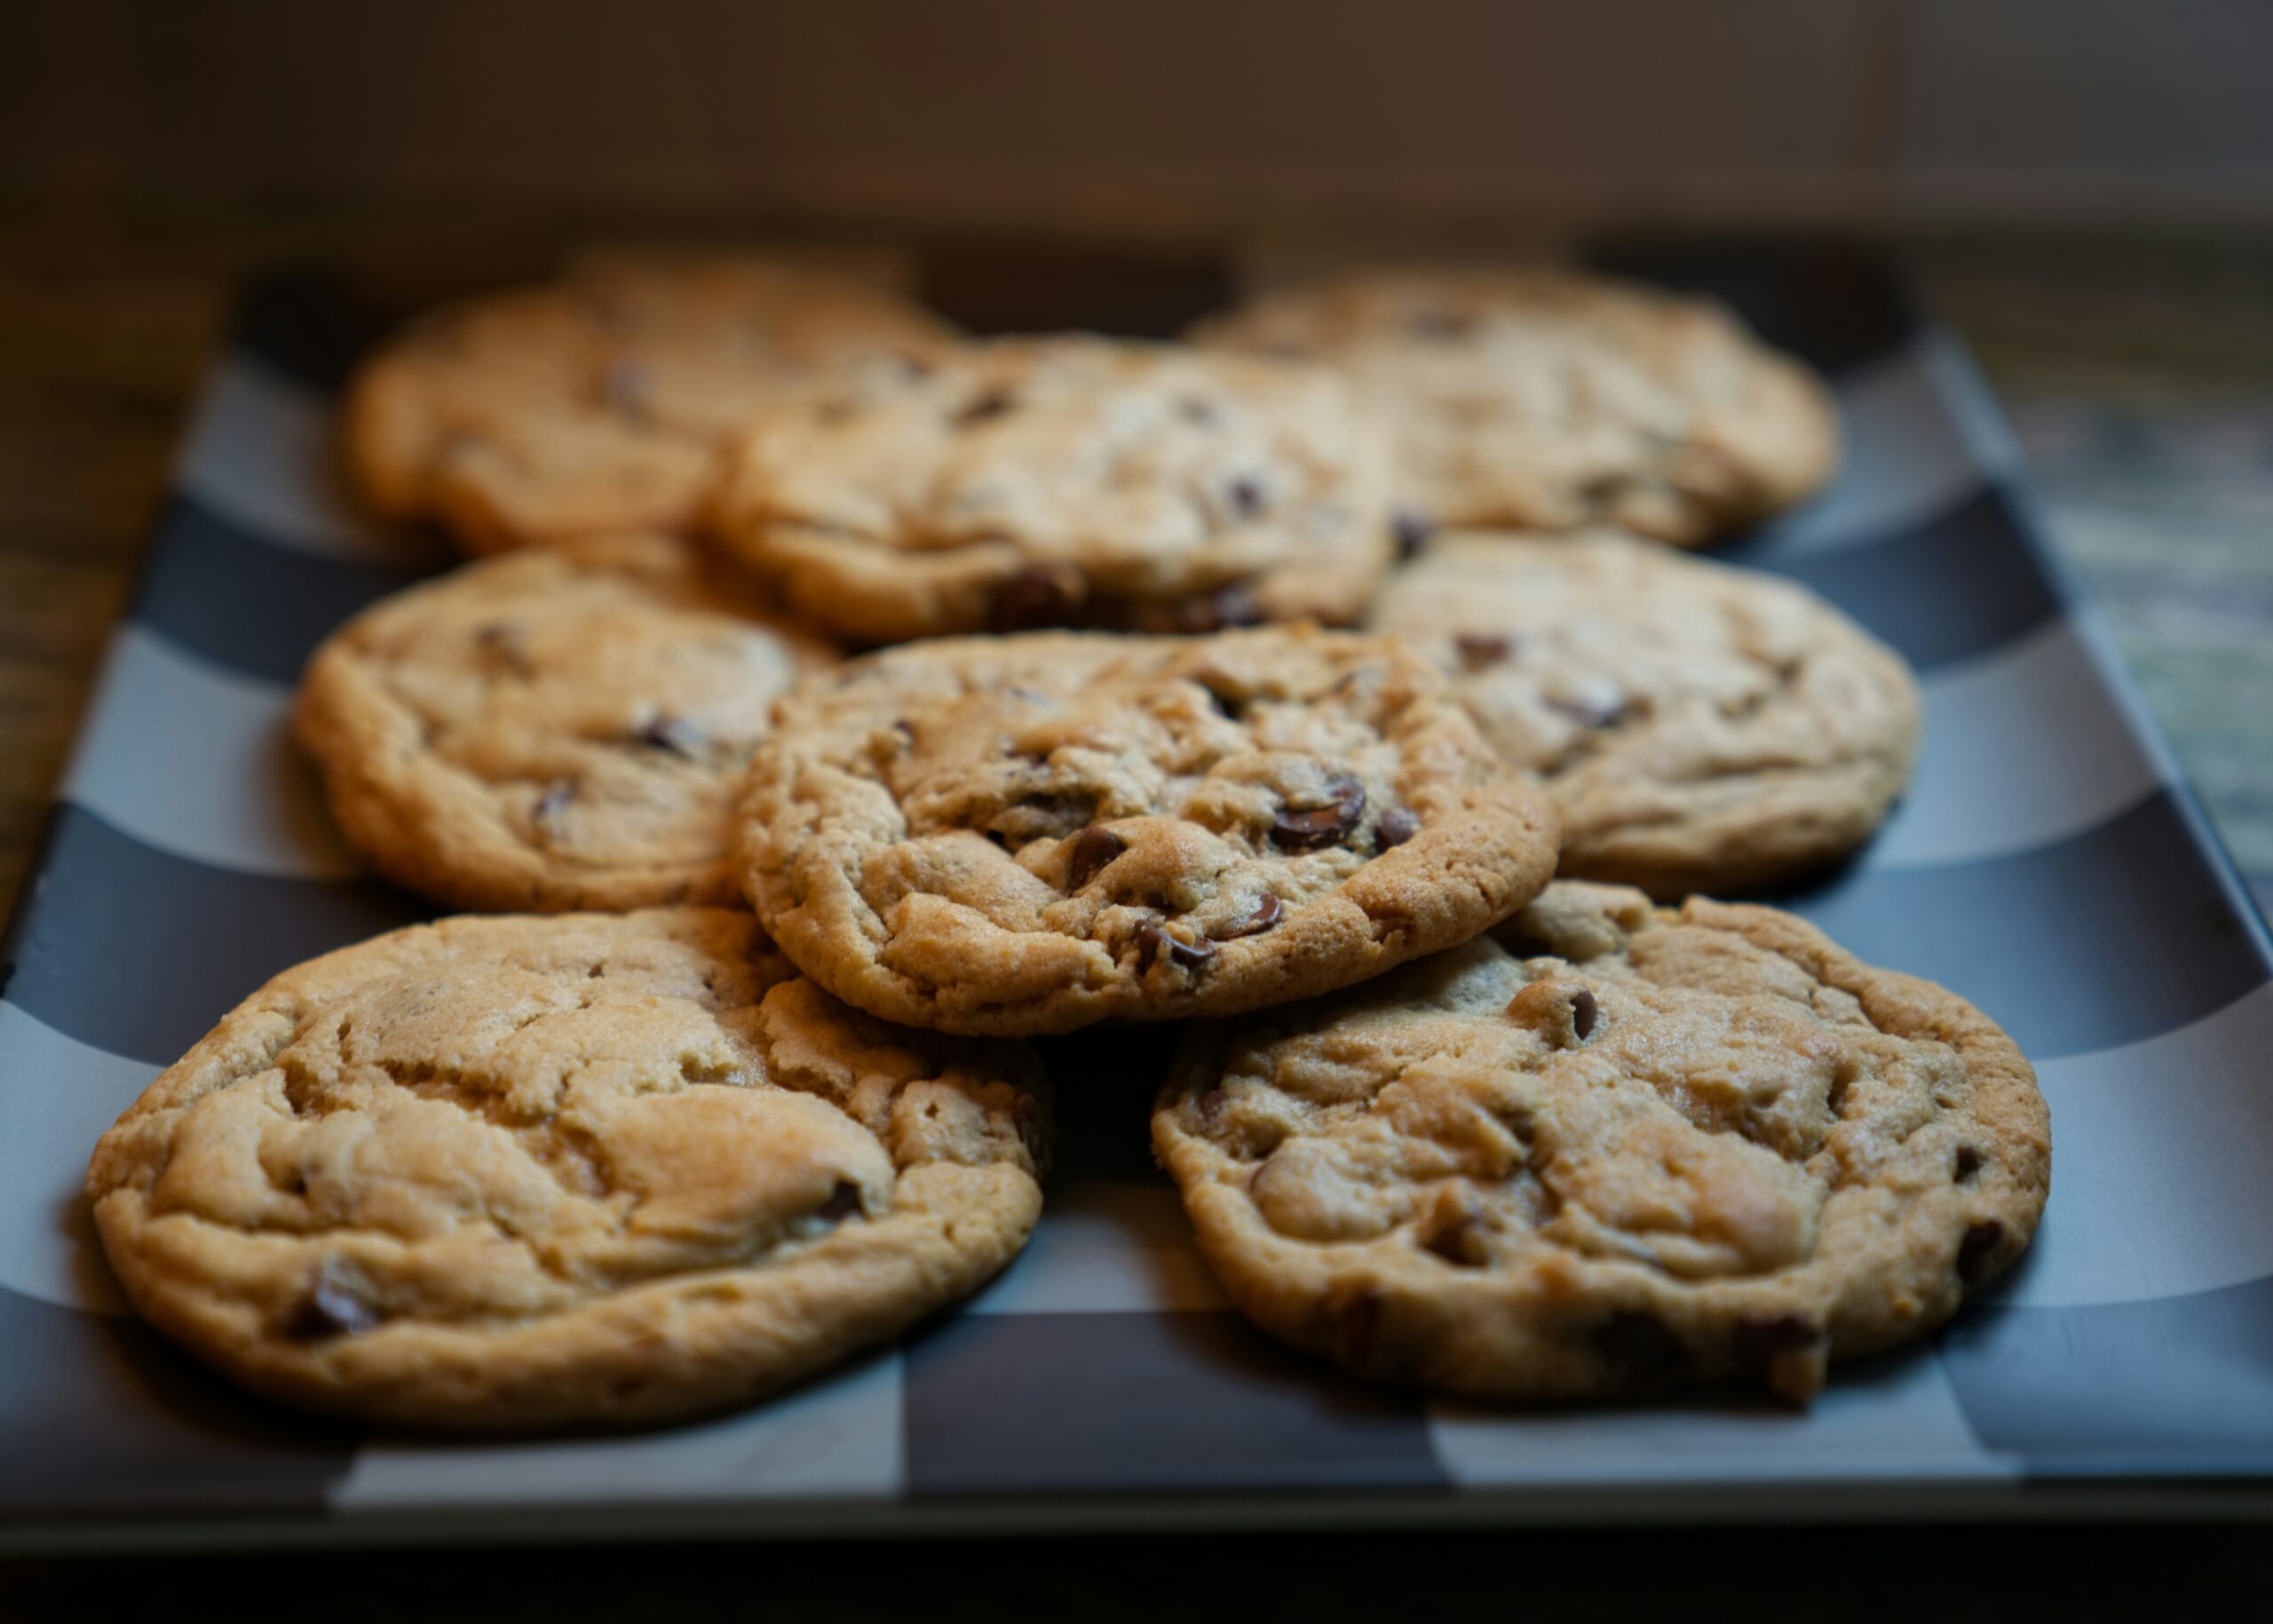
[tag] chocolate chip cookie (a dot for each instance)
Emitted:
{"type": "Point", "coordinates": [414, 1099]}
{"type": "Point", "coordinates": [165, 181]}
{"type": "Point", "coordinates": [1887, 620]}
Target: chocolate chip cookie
{"type": "Point", "coordinates": [557, 728]}
{"type": "Point", "coordinates": [1548, 399]}
{"type": "Point", "coordinates": [1701, 727]}
{"type": "Point", "coordinates": [1611, 1148]}
{"type": "Point", "coordinates": [496, 1175]}
{"type": "Point", "coordinates": [1031, 834]}
{"type": "Point", "coordinates": [603, 402]}
{"type": "Point", "coordinates": [1064, 481]}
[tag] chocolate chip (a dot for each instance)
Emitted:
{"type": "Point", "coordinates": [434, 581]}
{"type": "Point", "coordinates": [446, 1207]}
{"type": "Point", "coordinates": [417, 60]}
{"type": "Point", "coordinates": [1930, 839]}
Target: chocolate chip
{"type": "Point", "coordinates": [1211, 1104]}
{"type": "Point", "coordinates": [1459, 1242]}
{"type": "Point", "coordinates": [1582, 1013]}
{"type": "Point", "coordinates": [625, 388]}
{"type": "Point", "coordinates": [1397, 825]}
{"type": "Point", "coordinates": [665, 731]}
{"type": "Point", "coordinates": [1231, 605]}
{"type": "Point", "coordinates": [1152, 939]}
{"type": "Point", "coordinates": [555, 799]}
{"type": "Point", "coordinates": [1032, 596]}
{"type": "Point", "coordinates": [504, 644]}
{"type": "Point", "coordinates": [1969, 1163]}
{"type": "Point", "coordinates": [1982, 1240]}
{"type": "Point", "coordinates": [1479, 649]}
{"type": "Point", "coordinates": [1246, 497]}
{"type": "Point", "coordinates": [844, 1202]}
{"type": "Point", "coordinates": [1311, 827]}
{"type": "Point", "coordinates": [330, 1309]}
{"type": "Point", "coordinates": [1758, 1341]}
{"type": "Point", "coordinates": [1413, 531]}
{"type": "Point", "coordinates": [1639, 1350]}
{"type": "Point", "coordinates": [1093, 848]}
{"type": "Point", "coordinates": [1268, 910]}
{"type": "Point", "coordinates": [985, 406]}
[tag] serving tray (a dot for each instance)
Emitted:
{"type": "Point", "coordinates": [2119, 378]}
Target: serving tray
{"type": "Point", "coordinates": [2048, 862]}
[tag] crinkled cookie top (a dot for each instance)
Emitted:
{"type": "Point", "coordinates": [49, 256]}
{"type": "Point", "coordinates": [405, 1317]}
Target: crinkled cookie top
{"type": "Point", "coordinates": [1613, 1149]}
{"type": "Point", "coordinates": [1064, 481]}
{"type": "Point", "coordinates": [1030, 834]}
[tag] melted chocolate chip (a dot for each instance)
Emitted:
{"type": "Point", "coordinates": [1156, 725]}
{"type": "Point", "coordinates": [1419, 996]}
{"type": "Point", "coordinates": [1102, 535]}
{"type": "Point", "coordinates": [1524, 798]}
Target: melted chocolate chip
{"type": "Point", "coordinates": [1639, 1350]}
{"type": "Point", "coordinates": [1982, 1240]}
{"type": "Point", "coordinates": [1152, 939]}
{"type": "Point", "coordinates": [505, 645]}
{"type": "Point", "coordinates": [1031, 596]}
{"type": "Point", "coordinates": [1311, 827]}
{"type": "Point", "coordinates": [1246, 497]}
{"type": "Point", "coordinates": [1967, 1163]}
{"type": "Point", "coordinates": [1582, 1014]}
{"type": "Point", "coordinates": [1397, 825]}
{"type": "Point", "coordinates": [665, 731]}
{"type": "Point", "coordinates": [1268, 910]}
{"type": "Point", "coordinates": [1479, 650]}
{"type": "Point", "coordinates": [1093, 848]}
{"type": "Point", "coordinates": [1758, 1341]}
{"type": "Point", "coordinates": [985, 406]}
{"type": "Point", "coordinates": [1413, 531]}
{"type": "Point", "coordinates": [330, 1309]}
{"type": "Point", "coordinates": [1459, 1242]}
{"type": "Point", "coordinates": [844, 1202]}
{"type": "Point", "coordinates": [1231, 605]}
{"type": "Point", "coordinates": [555, 799]}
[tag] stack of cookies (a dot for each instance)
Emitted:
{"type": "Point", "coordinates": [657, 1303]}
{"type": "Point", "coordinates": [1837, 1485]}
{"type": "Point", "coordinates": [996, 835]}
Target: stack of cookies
{"type": "Point", "coordinates": [843, 703]}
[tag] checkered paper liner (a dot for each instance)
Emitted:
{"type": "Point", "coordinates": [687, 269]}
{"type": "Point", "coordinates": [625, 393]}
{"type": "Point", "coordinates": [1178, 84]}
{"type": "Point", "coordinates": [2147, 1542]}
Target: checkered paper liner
{"type": "Point", "coordinates": [2047, 862]}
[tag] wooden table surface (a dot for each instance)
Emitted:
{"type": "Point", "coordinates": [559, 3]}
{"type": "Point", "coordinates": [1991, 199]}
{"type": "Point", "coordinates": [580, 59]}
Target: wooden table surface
{"type": "Point", "coordinates": [2140, 376]}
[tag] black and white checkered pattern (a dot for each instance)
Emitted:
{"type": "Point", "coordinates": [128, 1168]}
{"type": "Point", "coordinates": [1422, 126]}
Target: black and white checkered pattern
{"type": "Point", "coordinates": [2047, 862]}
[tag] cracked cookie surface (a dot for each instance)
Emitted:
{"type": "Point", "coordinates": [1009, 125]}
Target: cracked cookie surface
{"type": "Point", "coordinates": [604, 401]}
{"type": "Point", "coordinates": [1701, 728]}
{"type": "Point", "coordinates": [1064, 481]}
{"type": "Point", "coordinates": [561, 728]}
{"type": "Point", "coordinates": [1549, 399]}
{"type": "Point", "coordinates": [1027, 835]}
{"type": "Point", "coordinates": [1610, 1149]}
{"type": "Point", "coordinates": [501, 1174]}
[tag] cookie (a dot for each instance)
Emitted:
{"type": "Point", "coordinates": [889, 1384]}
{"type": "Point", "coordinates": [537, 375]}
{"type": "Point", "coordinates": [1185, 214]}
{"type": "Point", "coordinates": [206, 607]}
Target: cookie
{"type": "Point", "coordinates": [1027, 835]}
{"type": "Point", "coordinates": [1701, 727]}
{"type": "Point", "coordinates": [556, 728]}
{"type": "Point", "coordinates": [1064, 481]}
{"type": "Point", "coordinates": [497, 1175]}
{"type": "Point", "coordinates": [603, 402]}
{"type": "Point", "coordinates": [1609, 1150]}
{"type": "Point", "coordinates": [1550, 399]}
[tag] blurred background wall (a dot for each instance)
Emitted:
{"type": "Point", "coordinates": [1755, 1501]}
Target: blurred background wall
{"type": "Point", "coordinates": [1176, 114]}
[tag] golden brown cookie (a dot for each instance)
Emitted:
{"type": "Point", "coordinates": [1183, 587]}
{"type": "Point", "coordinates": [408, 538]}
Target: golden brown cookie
{"type": "Point", "coordinates": [602, 402]}
{"type": "Point", "coordinates": [1610, 1149]}
{"type": "Point", "coordinates": [496, 1175]}
{"type": "Point", "coordinates": [1701, 727]}
{"type": "Point", "coordinates": [1064, 481]}
{"type": "Point", "coordinates": [1031, 834]}
{"type": "Point", "coordinates": [560, 728]}
{"type": "Point", "coordinates": [1547, 399]}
